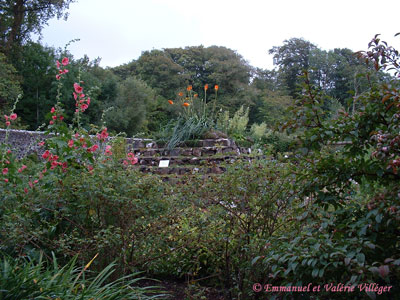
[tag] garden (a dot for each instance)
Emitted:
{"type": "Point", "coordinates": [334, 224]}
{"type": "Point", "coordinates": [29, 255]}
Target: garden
{"type": "Point", "coordinates": [282, 183]}
{"type": "Point", "coordinates": [320, 218]}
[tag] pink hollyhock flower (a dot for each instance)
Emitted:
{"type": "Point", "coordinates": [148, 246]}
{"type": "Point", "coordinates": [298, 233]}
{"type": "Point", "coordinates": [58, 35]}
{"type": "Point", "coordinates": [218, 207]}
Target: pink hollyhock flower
{"type": "Point", "coordinates": [58, 64]}
{"type": "Point", "coordinates": [93, 148]}
{"type": "Point", "coordinates": [60, 71]}
{"type": "Point", "coordinates": [64, 165]}
{"type": "Point", "coordinates": [134, 161]}
{"type": "Point", "coordinates": [36, 181]}
{"type": "Point", "coordinates": [61, 118]}
{"type": "Point", "coordinates": [104, 134]}
{"type": "Point", "coordinates": [41, 143]}
{"type": "Point", "coordinates": [88, 101]}
{"type": "Point", "coordinates": [51, 122]}
{"type": "Point", "coordinates": [5, 171]}
{"type": "Point", "coordinates": [54, 117]}
{"type": "Point", "coordinates": [46, 154]}
{"type": "Point", "coordinates": [70, 143]}
{"type": "Point", "coordinates": [78, 89]}
{"type": "Point", "coordinates": [75, 95]}
{"type": "Point", "coordinates": [26, 190]}
{"type": "Point", "coordinates": [65, 61]}
{"type": "Point", "coordinates": [65, 71]}
{"type": "Point", "coordinates": [30, 184]}
{"type": "Point", "coordinates": [125, 163]}
{"type": "Point", "coordinates": [22, 168]}
{"type": "Point", "coordinates": [8, 123]}
{"type": "Point", "coordinates": [58, 77]}
{"type": "Point", "coordinates": [13, 116]}
{"type": "Point", "coordinates": [82, 95]}
{"type": "Point", "coordinates": [9, 151]}
{"type": "Point", "coordinates": [6, 180]}
{"type": "Point", "coordinates": [6, 117]}
{"type": "Point", "coordinates": [7, 162]}
{"type": "Point", "coordinates": [84, 107]}
{"type": "Point", "coordinates": [53, 110]}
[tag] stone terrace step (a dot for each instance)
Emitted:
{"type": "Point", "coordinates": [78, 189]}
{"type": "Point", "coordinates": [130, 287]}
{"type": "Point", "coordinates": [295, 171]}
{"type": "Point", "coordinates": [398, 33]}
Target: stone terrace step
{"type": "Point", "coordinates": [187, 160]}
{"type": "Point", "coordinates": [197, 151]}
{"type": "Point", "coordinates": [183, 170]}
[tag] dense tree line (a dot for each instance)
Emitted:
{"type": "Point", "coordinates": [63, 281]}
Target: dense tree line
{"type": "Point", "coordinates": [135, 94]}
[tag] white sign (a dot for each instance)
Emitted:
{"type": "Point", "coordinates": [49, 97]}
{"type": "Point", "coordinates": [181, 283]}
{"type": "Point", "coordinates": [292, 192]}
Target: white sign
{"type": "Point", "coordinates": [163, 164]}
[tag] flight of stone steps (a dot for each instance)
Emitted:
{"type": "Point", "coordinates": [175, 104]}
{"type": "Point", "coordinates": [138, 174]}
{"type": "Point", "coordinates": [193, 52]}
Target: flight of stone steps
{"type": "Point", "coordinates": [206, 156]}
{"type": "Point", "coordinates": [202, 157]}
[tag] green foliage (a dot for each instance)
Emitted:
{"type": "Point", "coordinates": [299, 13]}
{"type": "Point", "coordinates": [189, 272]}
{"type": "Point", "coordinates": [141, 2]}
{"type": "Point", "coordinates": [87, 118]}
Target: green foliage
{"type": "Point", "coordinates": [349, 225]}
{"type": "Point", "coordinates": [9, 84]}
{"type": "Point", "coordinates": [21, 18]}
{"type": "Point", "coordinates": [236, 125]}
{"type": "Point", "coordinates": [39, 279]}
{"type": "Point", "coordinates": [135, 98]}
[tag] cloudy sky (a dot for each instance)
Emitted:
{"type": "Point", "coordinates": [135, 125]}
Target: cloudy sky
{"type": "Point", "coordinates": [118, 31]}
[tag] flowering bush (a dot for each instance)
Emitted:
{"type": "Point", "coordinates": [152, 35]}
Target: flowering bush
{"type": "Point", "coordinates": [194, 119]}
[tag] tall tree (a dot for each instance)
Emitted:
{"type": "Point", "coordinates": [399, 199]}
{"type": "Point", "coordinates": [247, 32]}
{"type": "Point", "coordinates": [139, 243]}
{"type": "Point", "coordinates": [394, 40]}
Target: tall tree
{"type": "Point", "coordinates": [20, 18]}
{"type": "Point", "coordinates": [292, 58]}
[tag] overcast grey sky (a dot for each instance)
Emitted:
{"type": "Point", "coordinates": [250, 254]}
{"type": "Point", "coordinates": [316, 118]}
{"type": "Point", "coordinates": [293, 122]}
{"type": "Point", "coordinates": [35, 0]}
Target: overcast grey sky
{"type": "Point", "coordinates": [118, 31]}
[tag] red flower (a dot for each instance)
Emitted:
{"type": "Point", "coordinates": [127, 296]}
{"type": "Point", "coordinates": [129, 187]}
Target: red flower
{"type": "Point", "coordinates": [103, 135]}
{"type": "Point", "coordinates": [84, 107]}
{"type": "Point", "coordinates": [5, 171]}
{"type": "Point", "coordinates": [22, 168]}
{"type": "Point", "coordinates": [61, 118]}
{"type": "Point", "coordinates": [65, 61]}
{"type": "Point", "coordinates": [216, 87]}
{"type": "Point", "coordinates": [8, 123]}
{"type": "Point", "coordinates": [54, 117]}
{"type": "Point", "coordinates": [93, 148]}
{"type": "Point", "coordinates": [58, 77]}
{"type": "Point", "coordinates": [53, 110]}
{"type": "Point", "coordinates": [13, 116]}
{"type": "Point", "coordinates": [6, 180]}
{"type": "Point", "coordinates": [51, 122]}
{"type": "Point", "coordinates": [78, 89]}
{"type": "Point", "coordinates": [46, 154]}
{"type": "Point", "coordinates": [70, 143]}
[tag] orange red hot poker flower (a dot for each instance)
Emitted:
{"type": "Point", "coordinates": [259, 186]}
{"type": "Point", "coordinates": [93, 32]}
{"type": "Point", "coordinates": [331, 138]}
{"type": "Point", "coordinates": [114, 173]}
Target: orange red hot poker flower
{"type": "Point", "coordinates": [186, 104]}
{"type": "Point", "coordinates": [170, 102]}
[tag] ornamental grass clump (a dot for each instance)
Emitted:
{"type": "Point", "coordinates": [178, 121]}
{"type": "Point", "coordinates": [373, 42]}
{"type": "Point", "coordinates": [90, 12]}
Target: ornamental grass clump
{"type": "Point", "coordinates": [40, 279]}
{"type": "Point", "coordinates": [195, 116]}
